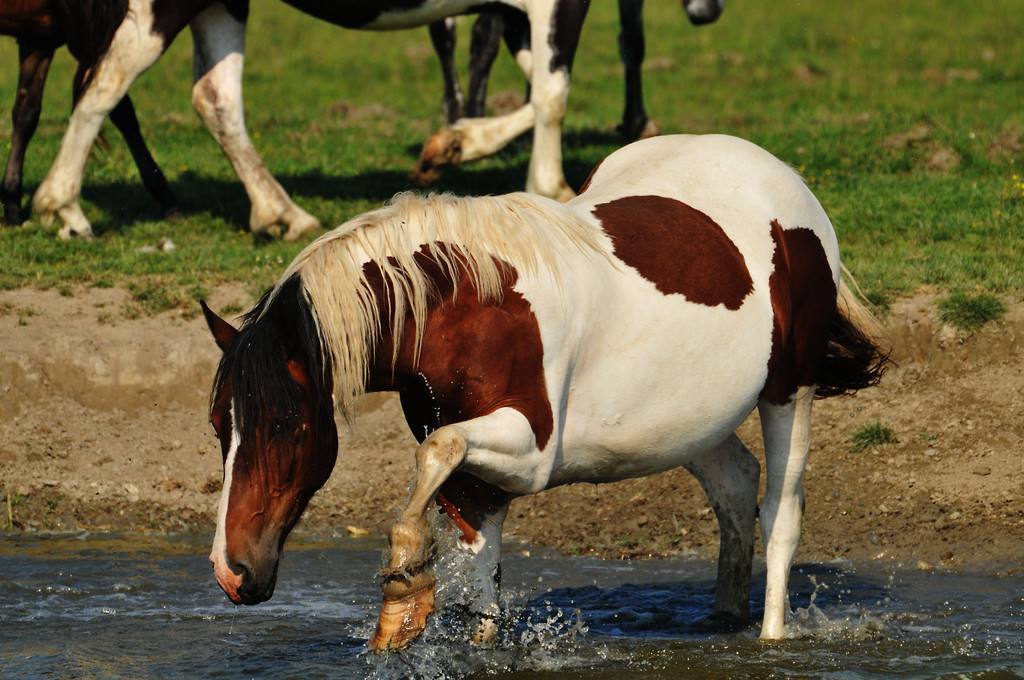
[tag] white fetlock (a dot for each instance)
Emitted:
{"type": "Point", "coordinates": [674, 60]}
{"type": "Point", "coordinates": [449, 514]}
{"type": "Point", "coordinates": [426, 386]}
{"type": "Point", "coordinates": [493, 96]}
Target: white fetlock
{"type": "Point", "coordinates": [300, 223]}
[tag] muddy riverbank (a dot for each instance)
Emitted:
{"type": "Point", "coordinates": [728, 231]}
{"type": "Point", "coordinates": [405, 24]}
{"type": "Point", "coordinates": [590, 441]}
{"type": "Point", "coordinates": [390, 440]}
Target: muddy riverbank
{"type": "Point", "coordinates": [103, 427]}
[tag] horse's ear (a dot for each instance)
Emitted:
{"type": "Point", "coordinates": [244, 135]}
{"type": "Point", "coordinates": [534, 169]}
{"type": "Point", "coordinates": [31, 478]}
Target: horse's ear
{"type": "Point", "coordinates": [223, 332]}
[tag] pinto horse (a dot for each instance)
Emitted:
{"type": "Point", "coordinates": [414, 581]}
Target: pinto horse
{"type": "Point", "coordinates": [40, 27]}
{"type": "Point", "coordinates": [535, 343]}
{"type": "Point", "coordinates": [489, 29]}
{"type": "Point", "coordinates": [218, 32]}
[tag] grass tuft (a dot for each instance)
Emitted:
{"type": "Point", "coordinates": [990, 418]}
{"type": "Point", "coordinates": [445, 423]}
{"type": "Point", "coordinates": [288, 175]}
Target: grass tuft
{"type": "Point", "coordinates": [969, 312]}
{"type": "Point", "coordinates": [871, 435]}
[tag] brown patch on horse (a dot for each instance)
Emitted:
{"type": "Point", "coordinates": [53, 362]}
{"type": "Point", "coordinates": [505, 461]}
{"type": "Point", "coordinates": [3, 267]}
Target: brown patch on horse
{"type": "Point", "coordinates": [590, 176]}
{"type": "Point", "coordinates": [477, 356]}
{"type": "Point", "coordinates": [679, 249]}
{"type": "Point", "coordinates": [803, 296]}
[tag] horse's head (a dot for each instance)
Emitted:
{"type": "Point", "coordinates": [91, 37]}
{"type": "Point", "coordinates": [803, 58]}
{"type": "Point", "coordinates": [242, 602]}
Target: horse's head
{"type": "Point", "coordinates": [273, 413]}
{"type": "Point", "coordinates": [703, 11]}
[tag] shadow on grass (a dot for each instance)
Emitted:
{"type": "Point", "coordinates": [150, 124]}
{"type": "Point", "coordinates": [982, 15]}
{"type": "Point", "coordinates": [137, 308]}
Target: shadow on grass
{"type": "Point", "coordinates": [125, 203]}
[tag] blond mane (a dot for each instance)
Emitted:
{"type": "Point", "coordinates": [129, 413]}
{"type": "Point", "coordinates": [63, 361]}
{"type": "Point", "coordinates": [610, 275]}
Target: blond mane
{"type": "Point", "coordinates": [525, 231]}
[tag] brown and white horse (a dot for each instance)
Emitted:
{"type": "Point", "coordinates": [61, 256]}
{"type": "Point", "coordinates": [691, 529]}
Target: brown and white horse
{"type": "Point", "coordinates": [218, 31]}
{"type": "Point", "coordinates": [491, 26]}
{"type": "Point", "coordinates": [534, 344]}
{"type": "Point", "coordinates": [40, 27]}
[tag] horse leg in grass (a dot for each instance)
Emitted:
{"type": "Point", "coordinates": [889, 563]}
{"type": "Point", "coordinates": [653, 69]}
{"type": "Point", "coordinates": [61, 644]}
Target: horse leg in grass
{"type": "Point", "coordinates": [123, 116]}
{"type": "Point", "coordinates": [134, 48]}
{"type": "Point", "coordinates": [554, 35]}
{"type": "Point", "coordinates": [635, 123]}
{"type": "Point", "coordinates": [218, 51]}
{"type": "Point", "coordinates": [483, 50]}
{"type": "Point", "coordinates": [786, 430]}
{"type": "Point", "coordinates": [408, 580]}
{"type": "Point", "coordinates": [729, 475]}
{"type": "Point", "coordinates": [34, 60]}
{"type": "Point", "coordinates": [442, 37]}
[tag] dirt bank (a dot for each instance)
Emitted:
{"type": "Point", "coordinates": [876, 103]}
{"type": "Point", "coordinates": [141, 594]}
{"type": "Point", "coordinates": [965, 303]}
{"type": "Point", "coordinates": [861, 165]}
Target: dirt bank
{"type": "Point", "coordinates": [103, 426]}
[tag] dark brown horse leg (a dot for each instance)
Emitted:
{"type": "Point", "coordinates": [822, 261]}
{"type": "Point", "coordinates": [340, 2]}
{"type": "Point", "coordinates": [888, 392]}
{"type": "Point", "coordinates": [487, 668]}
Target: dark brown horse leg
{"type": "Point", "coordinates": [123, 116]}
{"type": "Point", "coordinates": [631, 49]}
{"type": "Point", "coordinates": [483, 50]}
{"type": "Point", "coordinates": [442, 35]}
{"type": "Point", "coordinates": [35, 63]}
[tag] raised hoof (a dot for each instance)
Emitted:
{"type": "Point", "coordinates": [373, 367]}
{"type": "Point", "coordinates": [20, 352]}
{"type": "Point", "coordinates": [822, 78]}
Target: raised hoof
{"type": "Point", "coordinates": [402, 620]}
{"type": "Point", "coordinates": [443, 148]}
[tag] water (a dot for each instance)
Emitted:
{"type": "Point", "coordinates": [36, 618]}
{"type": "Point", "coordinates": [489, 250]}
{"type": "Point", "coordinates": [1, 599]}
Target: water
{"type": "Point", "coordinates": [103, 606]}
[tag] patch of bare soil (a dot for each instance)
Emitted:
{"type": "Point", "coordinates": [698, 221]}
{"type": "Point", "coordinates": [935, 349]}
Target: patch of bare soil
{"type": "Point", "coordinates": [103, 426]}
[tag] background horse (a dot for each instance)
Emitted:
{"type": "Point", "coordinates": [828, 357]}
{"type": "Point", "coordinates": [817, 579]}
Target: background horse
{"type": "Point", "coordinates": [218, 31]}
{"type": "Point", "coordinates": [491, 26]}
{"type": "Point", "coordinates": [40, 27]}
{"type": "Point", "coordinates": [535, 344]}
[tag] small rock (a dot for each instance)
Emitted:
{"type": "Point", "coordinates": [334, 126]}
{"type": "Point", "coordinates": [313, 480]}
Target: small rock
{"type": "Point", "coordinates": [50, 482]}
{"type": "Point", "coordinates": [924, 566]}
{"type": "Point", "coordinates": [176, 444]}
{"type": "Point", "coordinates": [982, 470]}
{"type": "Point", "coordinates": [131, 489]}
{"type": "Point", "coordinates": [166, 245]}
{"type": "Point", "coordinates": [931, 452]}
{"type": "Point", "coordinates": [357, 532]}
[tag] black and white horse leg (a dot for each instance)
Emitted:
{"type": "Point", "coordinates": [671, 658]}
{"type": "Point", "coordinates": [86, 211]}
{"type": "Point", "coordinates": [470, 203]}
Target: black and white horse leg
{"type": "Point", "coordinates": [135, 47]}
{"type": "Point", "coordinates": [635, 123]}
{"type": "Point", "coordinates": [483, 50]}
{"type": "Point", "coordinates": [123, 116]}
{"type": "Point", "coordinates": [554, 35]}
{"type": "Point", "coordinates": [218, 50]}
{"type": "Point", "coordinates": [443, 38]}
{"type": "Point", "coordinates": [34, 63]}
{"type": "Point", "coordinates": [729, 475]}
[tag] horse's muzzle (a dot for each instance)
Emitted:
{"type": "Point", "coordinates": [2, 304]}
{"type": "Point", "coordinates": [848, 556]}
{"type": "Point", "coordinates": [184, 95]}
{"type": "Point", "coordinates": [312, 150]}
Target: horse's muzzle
{"type": "Point", "coordinates": [242, 585]}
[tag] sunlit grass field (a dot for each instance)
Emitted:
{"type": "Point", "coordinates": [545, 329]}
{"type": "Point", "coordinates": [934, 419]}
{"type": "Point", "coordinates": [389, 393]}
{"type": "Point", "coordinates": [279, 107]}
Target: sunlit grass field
{"type": "Point", "coordinates": [906, 118]}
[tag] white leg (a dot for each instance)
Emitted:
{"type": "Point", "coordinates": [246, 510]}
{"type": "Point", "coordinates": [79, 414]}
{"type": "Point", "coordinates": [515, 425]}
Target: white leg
{"type": "Point", "coordinates": [787, 439]}
{"type": "Point", "coordinates": [219, 49]}
{"type": "Point", "coordinates": [133, 49]}
{"type": "Point", "coordinates": [729, 474]}
{"type": "Point", "coordinates": [548, 96]}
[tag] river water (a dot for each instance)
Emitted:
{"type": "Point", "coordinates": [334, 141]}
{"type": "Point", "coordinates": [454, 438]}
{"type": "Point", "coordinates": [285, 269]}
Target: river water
{"type": "Point", "coordinates": [109, 607]}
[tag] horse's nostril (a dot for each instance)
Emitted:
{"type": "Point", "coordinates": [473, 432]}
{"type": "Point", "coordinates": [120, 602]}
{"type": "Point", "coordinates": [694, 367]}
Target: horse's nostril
{"type": "Point", "coordinates": [242, 569]}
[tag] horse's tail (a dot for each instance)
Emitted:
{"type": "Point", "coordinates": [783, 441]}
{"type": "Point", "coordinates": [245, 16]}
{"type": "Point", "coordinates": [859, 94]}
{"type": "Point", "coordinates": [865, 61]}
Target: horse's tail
{"type": "Point", "coordinates": [88, 27]}
{"type": "Point", "coordinates": [854, 358]}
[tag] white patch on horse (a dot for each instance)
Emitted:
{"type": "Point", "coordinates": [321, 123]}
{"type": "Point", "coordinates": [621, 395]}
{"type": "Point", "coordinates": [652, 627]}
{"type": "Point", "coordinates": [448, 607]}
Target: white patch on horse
{"type": "Point", "coordinates": [219, 552]}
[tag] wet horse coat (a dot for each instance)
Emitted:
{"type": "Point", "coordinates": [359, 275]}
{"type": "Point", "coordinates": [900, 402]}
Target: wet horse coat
{"type": "Point", "coordinates": [218, 31]}
{"type": "Point", "coordinates": [535, 344]}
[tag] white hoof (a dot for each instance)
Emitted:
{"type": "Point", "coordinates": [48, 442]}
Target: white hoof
{"type": "Point", "coordinates": [300, 224]}
{"type": "Point", "coordinates": [76, 226]}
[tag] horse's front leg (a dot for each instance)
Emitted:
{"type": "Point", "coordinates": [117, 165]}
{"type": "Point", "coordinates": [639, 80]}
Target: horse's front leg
{"type": "Point", "coordinates": [134, 48]}
{"type": "Point", "coordinates": [635, 123]}
{"type": "Point", "coordinates": [554, 34]}
{"type": "Point", "coordinates": [219, 48]}
{"type": "Point", "coordinates": [499, 449]}
{"type": "Point", "coordinates": [34, 64]}
{"type": "Point", "coordinates": [408, 580]}
{"type": "Point", "coordinates": [443, 37]}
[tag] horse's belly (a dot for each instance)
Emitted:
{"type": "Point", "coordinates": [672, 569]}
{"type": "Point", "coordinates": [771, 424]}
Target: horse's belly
{"type": "Point", "coordinates": [383, 15]}
{"type": "Point", "coordinates": [660, 385]}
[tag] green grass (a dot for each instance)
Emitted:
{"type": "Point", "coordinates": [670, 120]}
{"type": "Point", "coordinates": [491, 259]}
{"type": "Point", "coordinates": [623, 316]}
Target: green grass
{"type": "Point", "coordinates": [861, 97]}
{"type": "Point", "coordinates": [871, 435]}
{"type": "Point", "coordinates": [969, 312]}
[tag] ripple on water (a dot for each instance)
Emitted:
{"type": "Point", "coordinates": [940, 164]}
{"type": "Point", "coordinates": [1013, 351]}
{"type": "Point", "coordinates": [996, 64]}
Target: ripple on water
{"type": "Point", "coordinates": [114, 609]}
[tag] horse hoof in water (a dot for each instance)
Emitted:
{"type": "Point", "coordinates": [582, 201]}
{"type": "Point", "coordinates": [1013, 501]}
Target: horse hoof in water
{"type": "Point", "coordinates": [443, 148]}
{"type": "Point", "coordinates": [403, 616]}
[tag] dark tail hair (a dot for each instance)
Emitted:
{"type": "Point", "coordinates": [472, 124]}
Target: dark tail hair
{"type": "Point", "coordinates": [853, 359]}
{"type": "Point", "coordinates": [88, 27]}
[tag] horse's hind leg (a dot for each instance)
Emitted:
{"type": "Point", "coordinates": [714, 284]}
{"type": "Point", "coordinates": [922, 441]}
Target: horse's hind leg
{"type": "Point", "coordinates": [635, 123]}
{"type": "Point", "coordinates": [483, 50]}
{"type": "Point", "coordinates": [442, 37]}
{"type": "Point", "coordinates": [787, 438]}
{"type": "Point", "coordinates": [218, 52]}
{"type": "Point", "coordinates": [123, 116]}
{"type": "Point", "coordinates": [729, 475]}
{"type": "Point", "coordinates": [34, 63]}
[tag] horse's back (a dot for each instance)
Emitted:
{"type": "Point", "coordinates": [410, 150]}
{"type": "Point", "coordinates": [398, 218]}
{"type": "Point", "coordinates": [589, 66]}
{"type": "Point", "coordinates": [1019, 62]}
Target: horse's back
{"type": "Point", "coordinates": [678, 328]}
